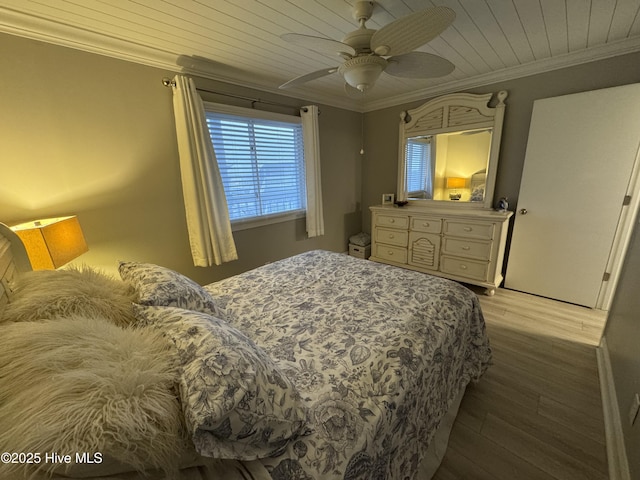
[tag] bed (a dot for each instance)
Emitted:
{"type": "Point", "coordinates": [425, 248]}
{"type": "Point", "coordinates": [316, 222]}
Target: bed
{"type": "Point", "coordinates": [318, 366]}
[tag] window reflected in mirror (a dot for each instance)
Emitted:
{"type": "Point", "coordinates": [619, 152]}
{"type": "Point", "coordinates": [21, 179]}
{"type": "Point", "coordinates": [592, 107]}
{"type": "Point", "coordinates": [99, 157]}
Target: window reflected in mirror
{"type": "Point", "coordinates": [448, 166]}
{"type": "Point", "coordinates": [420, 168]}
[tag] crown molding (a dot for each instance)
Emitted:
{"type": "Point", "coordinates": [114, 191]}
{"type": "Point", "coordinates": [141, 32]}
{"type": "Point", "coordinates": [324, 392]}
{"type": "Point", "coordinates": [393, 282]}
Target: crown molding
{"type": "Point", "coordinates": [602, 52]}
{"type": "Point", "coordinates": [45, 30]}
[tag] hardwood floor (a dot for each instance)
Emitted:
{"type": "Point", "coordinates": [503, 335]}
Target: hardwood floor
{"type": "Point", "coordinates": [536, 414]}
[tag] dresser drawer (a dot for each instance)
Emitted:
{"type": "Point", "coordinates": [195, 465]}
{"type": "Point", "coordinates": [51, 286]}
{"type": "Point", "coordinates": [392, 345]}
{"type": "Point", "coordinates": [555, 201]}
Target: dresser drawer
{"type": "Point", "coordinates": [460, 267]}
{"type": "Point", "coordinates": [469, 229]}
{"type": "Point", "coordinates": [390, 253]}
{"type": "Point", "coordinates": [462, 247]}
{"type": "Point", "coordinates": [392, 237]}
{"type": "Point", "coordinates": [393, 221]}
{"type": "Point", "coordinates": [426, 224]}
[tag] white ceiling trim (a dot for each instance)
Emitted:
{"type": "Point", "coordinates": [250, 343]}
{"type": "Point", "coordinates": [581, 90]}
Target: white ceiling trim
{"type": "Point", "coordinates": [601, 52]}
{"type": "Point", "coordinates": [37, 28]}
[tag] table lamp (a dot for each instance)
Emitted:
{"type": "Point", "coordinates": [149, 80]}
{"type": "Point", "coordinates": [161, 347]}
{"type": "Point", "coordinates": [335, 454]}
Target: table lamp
{"type": "Point", "coordinates": [52, 242]}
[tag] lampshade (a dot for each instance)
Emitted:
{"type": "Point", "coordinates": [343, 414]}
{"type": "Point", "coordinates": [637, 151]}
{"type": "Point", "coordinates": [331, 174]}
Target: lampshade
{"type": "Point", "coordinates": [52, 242]}
{"type": "Point", "coordinates": [456, 182]}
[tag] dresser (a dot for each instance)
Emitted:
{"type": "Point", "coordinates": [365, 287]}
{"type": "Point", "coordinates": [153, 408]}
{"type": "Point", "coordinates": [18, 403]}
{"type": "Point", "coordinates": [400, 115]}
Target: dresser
{"type": "Point", "coordinates": [466, 245]}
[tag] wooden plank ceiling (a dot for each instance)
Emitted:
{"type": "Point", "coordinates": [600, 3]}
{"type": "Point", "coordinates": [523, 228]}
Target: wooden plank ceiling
{"type": "Point", "coordinates": [239, 40]}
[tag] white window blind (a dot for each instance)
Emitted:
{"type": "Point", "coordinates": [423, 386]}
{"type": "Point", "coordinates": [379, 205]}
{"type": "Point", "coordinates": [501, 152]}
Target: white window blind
{"type": "Point", "coordinates": [419, 175]}
{"type": "Point", "coordinates": [261, 163]}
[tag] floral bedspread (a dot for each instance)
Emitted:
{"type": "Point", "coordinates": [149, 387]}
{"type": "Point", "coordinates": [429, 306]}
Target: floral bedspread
{"type": "Point", "coordinates": [377, 353]}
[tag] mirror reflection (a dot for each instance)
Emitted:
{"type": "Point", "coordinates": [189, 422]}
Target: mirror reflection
{"type": "Point", "coordinates": [448, 166]}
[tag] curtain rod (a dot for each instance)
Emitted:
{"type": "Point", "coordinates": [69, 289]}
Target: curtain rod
{"type": "Point", "coordinates": [171, 83]}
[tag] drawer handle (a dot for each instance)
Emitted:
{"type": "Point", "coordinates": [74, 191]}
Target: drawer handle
{"type": "Point", "coordinates": [392, 220]}
{"type": "Point", "coordinates": [467, 229]}
{"type": "Point", "coordinates": [463, 266]}
{"type": "Point", "coordinates": [391, 235]}
{"type": "Point", "coordinates": [390, 252]}
{"type": "Point", "coordinates": [466, 247]}
{"type": "Point", "coordinates": [425, 224]}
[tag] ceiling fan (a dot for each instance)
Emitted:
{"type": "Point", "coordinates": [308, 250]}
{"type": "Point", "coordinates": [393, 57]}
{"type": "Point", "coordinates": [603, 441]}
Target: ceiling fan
{"type": "Point", "coordinates": [367, 53]}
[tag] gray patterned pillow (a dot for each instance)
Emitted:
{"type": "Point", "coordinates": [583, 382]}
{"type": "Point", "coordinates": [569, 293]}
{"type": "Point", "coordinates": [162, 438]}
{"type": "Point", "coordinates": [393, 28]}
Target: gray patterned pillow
{"type": "Point", "coordinates": [160, 286]}
{"type": "Point", "coordinates": [237, 402]}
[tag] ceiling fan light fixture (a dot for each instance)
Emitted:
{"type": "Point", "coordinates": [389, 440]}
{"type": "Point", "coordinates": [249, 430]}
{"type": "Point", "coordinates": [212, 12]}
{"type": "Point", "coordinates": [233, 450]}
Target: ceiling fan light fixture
{"type": "Point", "coordinates": [362, 72]}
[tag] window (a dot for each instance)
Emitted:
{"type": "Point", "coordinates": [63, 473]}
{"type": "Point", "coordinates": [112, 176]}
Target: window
{"type": "Point", "coordinates": [261, 161]}
{"type": "Point", "coordinates": [419, 168]}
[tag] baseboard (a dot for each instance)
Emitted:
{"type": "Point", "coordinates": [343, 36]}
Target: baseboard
{"type": "Point", "coordinates": [616, 452]}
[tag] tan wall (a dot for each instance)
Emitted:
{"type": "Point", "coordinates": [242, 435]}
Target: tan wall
{"type": "Point", "coordinates": [94, 136]}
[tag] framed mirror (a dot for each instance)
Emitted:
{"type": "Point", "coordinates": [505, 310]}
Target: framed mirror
{"type": "Point", "coordinates": [449, 150]}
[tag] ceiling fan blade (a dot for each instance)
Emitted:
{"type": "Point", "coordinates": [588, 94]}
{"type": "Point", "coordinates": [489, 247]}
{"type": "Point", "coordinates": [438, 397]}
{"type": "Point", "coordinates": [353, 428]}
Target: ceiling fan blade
{"type": "Point", "coordinates": [308, 77]}
{"type": "Point", "coordinates": [419, 65]}
{"type": "Point", "coordinates": [319, 44]}
{"type": "Point", "coordinates": [408, 33]}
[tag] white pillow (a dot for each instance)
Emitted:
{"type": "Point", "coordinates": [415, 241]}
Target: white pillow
{"type": "Point", "coordinates": [85, 385]}
{"type": "Point", "coordinates": [48, 294]}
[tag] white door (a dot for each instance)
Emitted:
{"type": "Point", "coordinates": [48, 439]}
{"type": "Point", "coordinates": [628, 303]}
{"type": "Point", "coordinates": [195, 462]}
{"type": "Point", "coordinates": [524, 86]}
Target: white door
{"type": "Point", "coordinates": [580, 155]}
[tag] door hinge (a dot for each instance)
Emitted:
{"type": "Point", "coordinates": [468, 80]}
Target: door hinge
{"type": "Point", "coordinates": [626, 201]}
{"type": "Point", "coordinates": [606, 277]}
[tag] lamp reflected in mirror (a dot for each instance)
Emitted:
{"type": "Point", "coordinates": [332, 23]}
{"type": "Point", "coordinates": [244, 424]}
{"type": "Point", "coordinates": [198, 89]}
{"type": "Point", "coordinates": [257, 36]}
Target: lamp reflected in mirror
{"type": "Point", "coordinates": [454, 183]}
{"type": "Point", "coordinates": [53, 242]}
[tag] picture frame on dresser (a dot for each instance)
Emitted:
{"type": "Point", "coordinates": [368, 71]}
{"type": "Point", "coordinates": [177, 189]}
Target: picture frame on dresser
{"type": "Point", "coordinates": [388, 198]}
{"type": "Point", "coordinates": [447, 164]}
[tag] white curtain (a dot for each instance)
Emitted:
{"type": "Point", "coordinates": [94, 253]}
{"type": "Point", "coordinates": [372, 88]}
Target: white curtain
{"type": "Point", "coordinates": [205, 203]}
{"type": "Point", "coordinates": [311, 138]}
